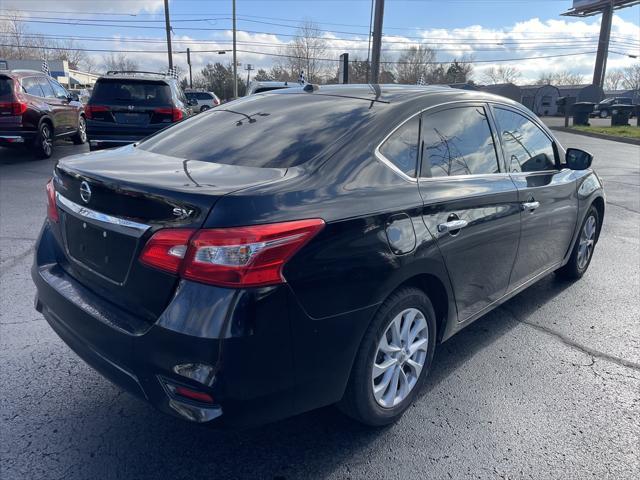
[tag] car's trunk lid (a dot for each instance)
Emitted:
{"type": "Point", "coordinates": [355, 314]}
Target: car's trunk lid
{"type": "Point", "coordinates": [111, 202]}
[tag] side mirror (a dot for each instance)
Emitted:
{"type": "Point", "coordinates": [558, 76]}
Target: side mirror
{"type": "Point", "coordinates": [73, 97]}
{"type": "Point", "coordinates": [578, 159]}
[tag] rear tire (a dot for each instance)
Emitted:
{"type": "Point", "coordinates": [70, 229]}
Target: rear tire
{"type": "Point", "coordinates": [407, 319]}
{"type": "Point", "coordinates": [80, 138]}
{"type": "Point", "coordinates": [604, 113]}
{"type": "Point", "coordinates": [583, 248]}
{"type": "Point", "coordinates": [205, 108]}
{"type": "Point", "coordinates": [43, 146]}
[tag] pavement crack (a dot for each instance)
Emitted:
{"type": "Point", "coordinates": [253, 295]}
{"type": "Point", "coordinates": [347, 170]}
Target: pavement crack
{"type": "Point", "coordinates": [609, 202]}
{"type": "Point", "coordinates": [595, 354]}
{"type": "Point", "coordinates": [12, 261]}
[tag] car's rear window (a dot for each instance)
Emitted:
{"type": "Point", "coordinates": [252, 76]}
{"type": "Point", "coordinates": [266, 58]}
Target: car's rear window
{"type": "Point", "coordinates": [131, 92]}
{"type": "Point", "coordinates": [276, 130]}
{"type": "Point", "coordinates": [6, 87]}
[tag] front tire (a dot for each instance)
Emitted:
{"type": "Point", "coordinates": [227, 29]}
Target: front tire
{"type": "Point", "coordinates": [205, 108]}
{"type": "Point", "coordinates": [44, 141]}
{"type": "Point", "coordinates": [393, 360]}
{"type": "Point", "coordinates": [604, 113]}
{"type": "Point", "coordinates": [583, 248]}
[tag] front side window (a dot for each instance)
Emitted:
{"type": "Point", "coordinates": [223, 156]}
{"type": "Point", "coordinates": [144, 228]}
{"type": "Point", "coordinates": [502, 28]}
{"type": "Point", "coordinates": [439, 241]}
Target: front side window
{"type": "Point", "coordinates": [526, 147]}
{"type": "Point", "coordinates": [401, 148]}
{"type": "Point", "coordinates": [458, 142]}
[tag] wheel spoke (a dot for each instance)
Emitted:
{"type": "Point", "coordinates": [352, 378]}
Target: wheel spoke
{"type": "Point", "coordinates": [415, 366]}
{"type": "Point", "coordinates": [420, 344]}
{"type": "Point", "coordinates": [380, 368]}
{"type": "Point", "coordinates": [395, 331]}
{"type": "Point", "coordinates": [408, 318]}
{"type": "Point", "coordinates": [418, 326]}
{"type": "Point", "coordinates": [390, 395]}
{"type": "Point", "coordinates": [386, 347]}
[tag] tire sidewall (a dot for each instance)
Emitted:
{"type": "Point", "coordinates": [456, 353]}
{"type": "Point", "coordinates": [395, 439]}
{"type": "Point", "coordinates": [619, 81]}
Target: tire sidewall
{"type": "Point", "coordinates": [373, 412]}
{"type": "Point", "coordinates": [40, 151]}
{"type": "Point", "coordinates": [592, 212]}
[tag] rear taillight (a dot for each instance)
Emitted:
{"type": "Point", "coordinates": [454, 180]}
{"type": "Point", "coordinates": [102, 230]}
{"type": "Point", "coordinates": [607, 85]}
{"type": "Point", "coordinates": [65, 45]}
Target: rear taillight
{"type": "Point", "coordinates": [17, 108]}
{"type": "Point", "coordinates": [166, 249]}
{"type": "Point", "coordinates": [91, 110]}
{"type": "Point", "coordinates": [230, 257]}
{"type": "Point", "coordinates": [176, 113]}
{"type": "Point", "coordinates": [52, 210]}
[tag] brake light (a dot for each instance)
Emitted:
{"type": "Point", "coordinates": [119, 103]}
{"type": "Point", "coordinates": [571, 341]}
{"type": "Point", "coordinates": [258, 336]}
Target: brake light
{"type": "Point", "coordinates": [52, 209]}
{"type": "Point", "coordinates": [176, 113]}
{"type": "Point", "coordinates": [166, 249]}
{"type": "Point", "coordinates": [91, 110]}
{"type": "Point", "coordinates": [231, 257]}
{"type": "Point", "coordinates": [16, 108]}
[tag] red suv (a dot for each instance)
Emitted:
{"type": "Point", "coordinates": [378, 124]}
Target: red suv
{"type": "Point", "coordinates": [35, 110]}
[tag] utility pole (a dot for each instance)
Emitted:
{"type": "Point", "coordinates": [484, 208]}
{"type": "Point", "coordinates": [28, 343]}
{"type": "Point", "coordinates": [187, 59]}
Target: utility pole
{"type": "Point", "coordinates": [168, 27]}
{"type": "Point", "coordinates": [369, 45]}
{"type": "Point", "coordinates": [235, 60]}
{"type": "Point", "coordinates": [189, 63]}
{"type": "Point", "coordinates": [600, 69]}
{"type": "Point", "coordinates": [377, 41]}
{"type": "Point", "coordinates": [248, 68]}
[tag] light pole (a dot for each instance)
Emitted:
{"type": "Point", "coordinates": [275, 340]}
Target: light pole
{"type": "Point", "coordinates": [248, 68]}
{"type": "Point", "coordinates": [235, 60]}
{"type": "Point", "coordinates": [377, 41]}
{"type": "Point", "coordinates": [168, 28]}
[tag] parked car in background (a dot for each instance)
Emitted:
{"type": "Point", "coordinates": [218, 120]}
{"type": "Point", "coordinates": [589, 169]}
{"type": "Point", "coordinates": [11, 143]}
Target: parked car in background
{"type": "Point", "coordinates": [126, 106]}
{"type": "Point", "coordinates": [202, 101]}
{"type": "Point", "coordinates": [83, 94]}
{"type": "Point", "coordinates": [35, 110]}
{"type": "Point", "coordinates": [605, 107]}
{"type": "Point", "coordinates": [259, 87]}
{"type": "Point", "coordinates": [306, 247]}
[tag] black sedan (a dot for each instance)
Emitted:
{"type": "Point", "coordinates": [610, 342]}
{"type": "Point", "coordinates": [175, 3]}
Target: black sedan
{"type": "Point", "coordinates": [306, 247]}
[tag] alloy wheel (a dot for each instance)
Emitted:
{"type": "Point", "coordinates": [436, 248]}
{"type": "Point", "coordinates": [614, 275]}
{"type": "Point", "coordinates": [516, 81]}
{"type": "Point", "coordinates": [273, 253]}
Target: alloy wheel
{"type": "Point", "coordinates": [45, 139]}
{"type": "Point", "coordinates": [400, 357]}
{"type": "Point", "coordinates": [587, 240]}
{"type": "Point", "coordinates": [82, 129]}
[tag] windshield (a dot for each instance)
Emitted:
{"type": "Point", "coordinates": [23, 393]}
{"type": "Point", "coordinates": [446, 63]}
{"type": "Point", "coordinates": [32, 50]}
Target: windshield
{"type": "Point", "coordinates": [275, 130]}
{"type": "Point", "coordinates": [136, 92]}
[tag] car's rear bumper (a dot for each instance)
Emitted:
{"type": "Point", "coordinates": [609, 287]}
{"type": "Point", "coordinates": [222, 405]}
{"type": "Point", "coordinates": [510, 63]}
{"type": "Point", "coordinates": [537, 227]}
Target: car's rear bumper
{"type": "Point", "coordinates": [16, 137]}
{"type": "Point", "coordinates": [107, 135]}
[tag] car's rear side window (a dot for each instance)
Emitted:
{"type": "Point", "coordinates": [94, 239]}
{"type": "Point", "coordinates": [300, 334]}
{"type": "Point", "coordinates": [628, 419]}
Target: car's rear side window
{"type": "Point", "coordinates": [46, 87]}
{"type": "Point", "coordinates": [131, 92]}
{"type": "Point", "coordinates": [401, 148]}
{"type": "Point", "coordinates": [32, 86]}
{"type": "Point", "coordinates": [458, 141]}
{"type": "Point", "coordinates": [275, 130]}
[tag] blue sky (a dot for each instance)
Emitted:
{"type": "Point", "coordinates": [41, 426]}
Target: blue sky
{"type": "Point", "coordinates": [485, 30]}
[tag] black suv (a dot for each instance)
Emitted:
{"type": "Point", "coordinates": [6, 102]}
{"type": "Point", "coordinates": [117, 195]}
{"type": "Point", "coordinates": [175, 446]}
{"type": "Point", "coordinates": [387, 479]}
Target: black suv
{"type": "Point", "coordinates": [35, 110]}
{"type": "Point", "coordinates": [303, 247]}
{"type": "Point", "coordinates": [126, 106]}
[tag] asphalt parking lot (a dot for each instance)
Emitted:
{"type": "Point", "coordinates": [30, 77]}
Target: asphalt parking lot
{"type": "Point", "coordinates": [545, 387]}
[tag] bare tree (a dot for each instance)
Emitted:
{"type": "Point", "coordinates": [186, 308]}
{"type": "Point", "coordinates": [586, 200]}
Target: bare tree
{"type": "Point", "coordinates": [502, 74]}
{"type": "Point", "coordinates": [306, 52]}
{"type": "Point", "coordinates": [416, 64]}
{"type": "Point", "coordinates": [119, 61]}
{"type": "Point", "coordinates": [631, 77]}
{"type": "Point", "coordinates": [560, 78]}
{"type": "Point", "coordinates": [613, 80]}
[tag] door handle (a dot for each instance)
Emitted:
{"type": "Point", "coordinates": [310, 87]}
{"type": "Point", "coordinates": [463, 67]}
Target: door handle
{"type": "Point", "coordinates": [452, 226]}
{"type": "Point", "coordinates": [530, 205]}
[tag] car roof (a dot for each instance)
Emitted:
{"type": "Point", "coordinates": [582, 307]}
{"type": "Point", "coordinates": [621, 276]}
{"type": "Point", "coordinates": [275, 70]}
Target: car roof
{"type": "Point", "coordinates": [396, 94]}
{"type": "Point", "coordinates": [21, 73]}
{"type": "Point", "coordinates": [136, 75]}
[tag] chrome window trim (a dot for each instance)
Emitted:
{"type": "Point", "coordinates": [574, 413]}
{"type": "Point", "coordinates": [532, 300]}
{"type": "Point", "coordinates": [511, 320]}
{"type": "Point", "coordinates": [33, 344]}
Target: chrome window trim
{"type": "Point", "coordinates": [88, 213]}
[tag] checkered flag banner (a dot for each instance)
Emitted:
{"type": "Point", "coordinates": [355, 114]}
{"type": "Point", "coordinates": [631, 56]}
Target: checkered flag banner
{"type": "Point", "coordinates": [173, 72]}
{"type": "Point", "coordinates": [301, 79]}
{"type": "Point", "coordinates": [45, 66]}
{"type": "Point", "coordinates": [421, 80]}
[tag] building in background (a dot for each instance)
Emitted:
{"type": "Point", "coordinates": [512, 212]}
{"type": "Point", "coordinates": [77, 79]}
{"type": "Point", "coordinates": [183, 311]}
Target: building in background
{"type": "Point", "coordinates": [58, 69]}
{"type": "Point", "coordinates": [541, 99]}
{"type": "Point", "coordinates": [507, 90]}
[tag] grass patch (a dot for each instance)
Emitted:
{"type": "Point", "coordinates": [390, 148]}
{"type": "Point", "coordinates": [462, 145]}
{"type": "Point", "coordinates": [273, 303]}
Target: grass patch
{"type": "Point", "coordinates": [626, 132]}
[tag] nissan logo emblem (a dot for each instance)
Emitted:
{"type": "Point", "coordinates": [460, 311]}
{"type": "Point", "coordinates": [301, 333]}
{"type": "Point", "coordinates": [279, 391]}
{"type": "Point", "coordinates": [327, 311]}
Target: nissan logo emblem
{"type": "Point", "coordinates": [85, 192]}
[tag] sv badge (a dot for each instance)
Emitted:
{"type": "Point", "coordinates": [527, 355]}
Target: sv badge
{"type": "Point", "coordinates": [182, 212]}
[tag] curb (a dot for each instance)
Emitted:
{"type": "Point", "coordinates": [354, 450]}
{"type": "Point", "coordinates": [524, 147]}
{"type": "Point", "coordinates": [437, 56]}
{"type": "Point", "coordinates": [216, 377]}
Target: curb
{"type": "Point", "coordinates": [602, 136]}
